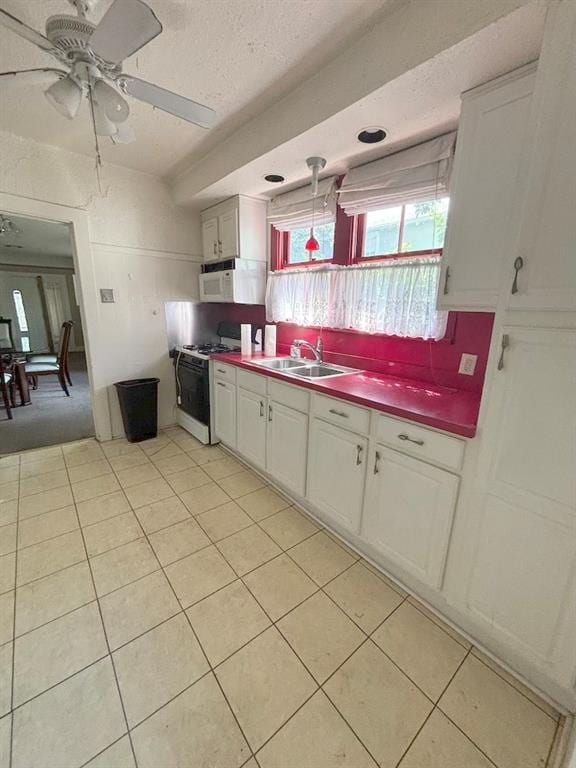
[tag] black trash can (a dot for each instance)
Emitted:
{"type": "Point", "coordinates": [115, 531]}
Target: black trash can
{"type": "Point", "coordinates": [139, 406]}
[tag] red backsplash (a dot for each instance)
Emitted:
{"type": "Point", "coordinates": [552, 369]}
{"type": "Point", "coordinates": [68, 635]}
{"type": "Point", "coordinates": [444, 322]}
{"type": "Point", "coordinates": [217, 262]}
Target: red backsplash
{"type": "Point", "coordinates": [431, 361]}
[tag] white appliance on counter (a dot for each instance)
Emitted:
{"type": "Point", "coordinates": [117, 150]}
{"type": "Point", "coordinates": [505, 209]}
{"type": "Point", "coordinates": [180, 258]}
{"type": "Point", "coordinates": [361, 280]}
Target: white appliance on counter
{"type": "Point", "coordinates": [237, 281]}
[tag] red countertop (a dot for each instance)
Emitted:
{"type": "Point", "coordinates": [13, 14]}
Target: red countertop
{"type": "Point", "coordinates": [452, 410]}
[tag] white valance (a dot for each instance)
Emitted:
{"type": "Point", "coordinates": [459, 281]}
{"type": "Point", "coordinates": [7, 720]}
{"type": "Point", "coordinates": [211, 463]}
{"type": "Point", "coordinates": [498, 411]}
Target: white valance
{"type": "Point", "coordinates": [396, 298]}
{"type": "Point", "coordinates": [411, 176]}
{"type": "Point", "coordinates": [293, 210]}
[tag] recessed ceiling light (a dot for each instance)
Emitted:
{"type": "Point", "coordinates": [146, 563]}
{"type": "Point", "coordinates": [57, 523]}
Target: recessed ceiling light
{"type": "Point", "coordinates": [372, 135]}
{"type": "Point", "coordinates": [274, 178]}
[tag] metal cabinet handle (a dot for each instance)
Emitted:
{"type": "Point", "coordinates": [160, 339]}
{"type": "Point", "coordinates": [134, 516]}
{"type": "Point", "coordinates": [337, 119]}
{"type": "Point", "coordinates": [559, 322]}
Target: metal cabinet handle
{"type": "Point", "coordinates": [504, 344]}
{"type": "Point", "coordinates": [403, 436]}
{"type": "Point", "coordinates": [518, 264]}
{"type": "Point", "coordinates": [220, 384]}
{"type": "Point", "coordinates": [269, 413]}
{"type": "Point", "coordinates": [220, 370]}
{"type": "Point", "coordinates": [359, 450]}
{"type": "Point", "coordinates": [446, 280]}
{"type": "Point", "coordinates": [338, 413]}
{"type": "Point", "coordinates": [214, 246]}
{"type": "Point", "coordinates": [261, 408]}
{"type": "Point", "coordinates": [377, 457]}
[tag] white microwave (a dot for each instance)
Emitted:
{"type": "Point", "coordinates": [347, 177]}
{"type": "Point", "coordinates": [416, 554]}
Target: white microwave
{"type": "Point", "coordinates": [246, 284]}
{"type": "Point", "coordinates": [217, 286]}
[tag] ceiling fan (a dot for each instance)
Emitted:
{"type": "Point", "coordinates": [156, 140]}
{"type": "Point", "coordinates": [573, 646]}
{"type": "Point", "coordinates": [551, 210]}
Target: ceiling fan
{"type": "Point", "coordinates": [93, 56]}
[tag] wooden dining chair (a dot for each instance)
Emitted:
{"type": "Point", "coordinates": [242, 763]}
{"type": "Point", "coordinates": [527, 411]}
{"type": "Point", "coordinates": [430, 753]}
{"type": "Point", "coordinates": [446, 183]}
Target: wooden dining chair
{"type": "Point", "coordinates": [51, 358]}
{"type": "Point", "coordinates": [7, 388]}
{"type": "Point", "coordinates": [58, 368]}
{"type": "Point", "coordinates": [6, 336]}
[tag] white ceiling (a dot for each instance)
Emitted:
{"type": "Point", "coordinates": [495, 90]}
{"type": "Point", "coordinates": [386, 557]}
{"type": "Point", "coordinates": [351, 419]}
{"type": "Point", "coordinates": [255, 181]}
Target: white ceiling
{"type": "Point", "coordinates": [47, 238]}
{"type": "Point", "coordinates": [423, 102]}
{"type": "Point", "coordinates": [237, 56]}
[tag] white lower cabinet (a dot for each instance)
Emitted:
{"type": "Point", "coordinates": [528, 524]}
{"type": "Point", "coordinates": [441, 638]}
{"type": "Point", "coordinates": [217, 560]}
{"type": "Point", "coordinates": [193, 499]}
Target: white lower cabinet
{"type": "Point", "coordinates": [408, 513]}
{"type": "Point", "coordinates": [225, 412]}
{"type": "Point", "coordinates": [336, 473]}
{"type": "Point", "coordinates": [287, 446]}
{"type": "Point", "coordinates": [251, 429]}
{"type": "Point", "coordinates": [522, 571]}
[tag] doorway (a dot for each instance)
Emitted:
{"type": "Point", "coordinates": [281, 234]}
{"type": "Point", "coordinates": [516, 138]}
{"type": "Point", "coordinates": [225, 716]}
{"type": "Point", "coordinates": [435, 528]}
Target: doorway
{"type": "Point", "coordinates": [40, 307]}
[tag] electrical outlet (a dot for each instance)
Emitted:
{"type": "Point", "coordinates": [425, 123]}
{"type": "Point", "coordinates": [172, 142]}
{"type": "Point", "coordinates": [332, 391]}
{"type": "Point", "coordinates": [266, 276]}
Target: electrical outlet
{"type": "Point", "coordinates": [468, 364]}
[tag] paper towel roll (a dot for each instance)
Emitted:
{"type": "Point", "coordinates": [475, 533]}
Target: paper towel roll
{"type": "Point", "coordinates": [270, 341]}
{"type": "Point", "coordinates": [246, 338]}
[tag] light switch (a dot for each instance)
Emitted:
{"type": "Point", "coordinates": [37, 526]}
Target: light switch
{"type": "Point", "coordinates": [107, 295]}
{"type": "Point", "coordinates": [468, 364]}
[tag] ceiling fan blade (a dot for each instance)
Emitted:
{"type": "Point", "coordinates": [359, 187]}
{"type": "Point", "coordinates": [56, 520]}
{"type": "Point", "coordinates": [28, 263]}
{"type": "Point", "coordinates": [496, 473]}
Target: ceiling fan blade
{"type": "Point", "coordinates": [40, 76]}
{"type": "Point", "coordinates": [167, 101]}
{"type": "Point", "coordinates": [125, 27]}
{"type": "Point", "coordinates": [11, 22]}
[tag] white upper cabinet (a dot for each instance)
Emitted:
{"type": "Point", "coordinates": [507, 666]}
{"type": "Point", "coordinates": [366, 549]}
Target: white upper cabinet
{"type": "Point", "coordinates": [489, 150]}
{"type": "Point", "coordinates": [235, 229]}
{"type": "Point", "coordinates": [210, 239]}
{"type": "Point", "coordinates": [408, 513]}
{"type": "Point", "coordinates": [336, 472]}
{"type": "Point", "coordinates": [522, 580]}
{"type": "Point", "coordinates": [547, 242]}
{"type": "Point", "coordinates": [287, 446]}
{"type": "Point", "coordinates": [251, 426]}
{"type": "Point", "coordinates": [228, 242]}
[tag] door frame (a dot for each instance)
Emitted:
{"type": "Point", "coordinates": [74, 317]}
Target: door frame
{"type": "Point", "coordinates": [84, 268]}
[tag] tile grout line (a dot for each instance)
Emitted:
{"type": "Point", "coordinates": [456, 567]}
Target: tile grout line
{"type": "Point", "coordinates": [106, 636]}
{"type": "Point", "coordinates": [11, 713]}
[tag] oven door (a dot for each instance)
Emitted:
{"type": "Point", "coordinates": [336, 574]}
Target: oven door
{"type": "Point", "coordinates": [194, 390]}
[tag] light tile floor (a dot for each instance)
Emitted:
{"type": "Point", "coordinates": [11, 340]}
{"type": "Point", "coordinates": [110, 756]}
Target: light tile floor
{"type": "Point", "coordinates": [161, 606]}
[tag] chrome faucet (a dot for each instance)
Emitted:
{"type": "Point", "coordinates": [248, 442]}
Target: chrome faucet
{"type": "Point", "coordinates": [317, 350]}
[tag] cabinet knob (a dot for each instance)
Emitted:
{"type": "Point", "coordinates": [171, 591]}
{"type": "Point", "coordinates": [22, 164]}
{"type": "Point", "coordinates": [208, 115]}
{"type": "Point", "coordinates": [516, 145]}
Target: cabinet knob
{"type": "Point", "coordinates": [518, 264]}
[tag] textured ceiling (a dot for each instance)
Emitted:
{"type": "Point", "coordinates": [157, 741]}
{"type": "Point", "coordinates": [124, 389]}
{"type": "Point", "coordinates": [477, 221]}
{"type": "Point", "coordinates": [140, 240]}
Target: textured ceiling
{"type": "Point", "coordinates": [237, 56]}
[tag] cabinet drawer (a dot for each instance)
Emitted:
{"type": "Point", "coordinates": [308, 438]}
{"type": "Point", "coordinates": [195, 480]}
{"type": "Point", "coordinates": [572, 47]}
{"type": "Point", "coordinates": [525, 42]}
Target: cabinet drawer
{"type": "Point", "coordinates": [252, 382]}
{"type": "Point", "coordinates": [293, 397]}
{"type": "Point", "coordinates": [421, 442]}
{"type": "Point", "coordinates": [225, 372]}
{"type": "Point", "coordinates": [342, 413]}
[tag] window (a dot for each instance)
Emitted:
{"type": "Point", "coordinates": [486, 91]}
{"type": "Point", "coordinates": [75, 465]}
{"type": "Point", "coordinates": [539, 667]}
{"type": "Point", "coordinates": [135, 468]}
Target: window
{"type": "Point", "coordinates": [22, 321]}
{"type": "Point", "coordinates": [297, 239]}
{"type": "Point", "coordinates": [412, 228]}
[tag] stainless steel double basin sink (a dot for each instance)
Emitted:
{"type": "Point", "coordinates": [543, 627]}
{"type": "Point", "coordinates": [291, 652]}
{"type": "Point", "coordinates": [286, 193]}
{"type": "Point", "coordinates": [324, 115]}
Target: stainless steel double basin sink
{"type": "Point", "coordinates": [305, 369]}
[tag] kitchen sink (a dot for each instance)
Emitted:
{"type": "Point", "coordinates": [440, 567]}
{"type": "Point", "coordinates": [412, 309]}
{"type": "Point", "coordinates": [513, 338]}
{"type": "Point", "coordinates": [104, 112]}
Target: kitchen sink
{"type": "Point", "coordinates": [318, 371]}
{"type": "Point", "coordinates": [281, 363]}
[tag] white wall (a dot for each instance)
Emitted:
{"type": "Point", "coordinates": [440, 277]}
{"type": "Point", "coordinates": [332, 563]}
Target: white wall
{"type": "Point", "coordinates": [143, 246]}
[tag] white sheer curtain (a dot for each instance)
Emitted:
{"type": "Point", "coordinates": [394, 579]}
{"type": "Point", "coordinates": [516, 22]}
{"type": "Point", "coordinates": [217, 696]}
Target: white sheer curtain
{"type": "Point", "coordinates": [396, 298]}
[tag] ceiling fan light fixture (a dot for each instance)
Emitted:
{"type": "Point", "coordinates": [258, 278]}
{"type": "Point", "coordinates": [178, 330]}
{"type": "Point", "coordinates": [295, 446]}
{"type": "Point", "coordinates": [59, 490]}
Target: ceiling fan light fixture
{"type": "Point", "coordinates": [124, 134]}
{"type": "Point", "coordinates": [103, 125]}
{"type": "Point", "coordinates": [65, 96]}
{"type": "Point", "coordinates": [115, 107]}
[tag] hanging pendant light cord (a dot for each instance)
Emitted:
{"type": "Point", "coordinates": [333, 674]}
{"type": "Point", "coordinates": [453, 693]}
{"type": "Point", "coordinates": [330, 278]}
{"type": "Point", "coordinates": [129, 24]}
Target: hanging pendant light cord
{"type": "Point", "coordinates": [96, 142]}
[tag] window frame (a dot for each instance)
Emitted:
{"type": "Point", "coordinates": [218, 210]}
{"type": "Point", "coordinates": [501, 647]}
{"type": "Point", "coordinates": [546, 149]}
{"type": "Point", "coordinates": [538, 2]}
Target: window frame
{"type": "Point", "coordinates": [285, 255]}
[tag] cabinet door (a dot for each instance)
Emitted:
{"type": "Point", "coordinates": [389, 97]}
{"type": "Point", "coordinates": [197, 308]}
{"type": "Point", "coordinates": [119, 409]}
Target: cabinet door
{"type": "Point", "coordinates": [228, 234]}
{"type": "Point", "coordinates": [210, 239]}
{"type": "Point", "coordinates": [287, 446]}
{"type": "Point", "coordinates": [522, 583]}
{"type": "Point", "coordinates": [547, 279]}
{"type": "Point", "coordinates": [336, 472]}
{"type": "Point", "coordinates": [225, 412]}
{"type": "Point", "coordinates": [252, 426]}
{"type": "Point", "coordinates": [408, 513]}
{"type": "Point", "coordinates": [486, 165]}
